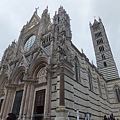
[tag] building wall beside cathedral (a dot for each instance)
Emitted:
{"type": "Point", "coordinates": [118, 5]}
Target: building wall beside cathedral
{"type": "Point", "coordinates": [44, 70]}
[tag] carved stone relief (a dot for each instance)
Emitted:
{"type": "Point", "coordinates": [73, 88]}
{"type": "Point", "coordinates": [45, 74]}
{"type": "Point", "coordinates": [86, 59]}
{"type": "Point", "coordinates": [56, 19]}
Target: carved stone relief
{"type": "Point", "coordinates": [42, 75]}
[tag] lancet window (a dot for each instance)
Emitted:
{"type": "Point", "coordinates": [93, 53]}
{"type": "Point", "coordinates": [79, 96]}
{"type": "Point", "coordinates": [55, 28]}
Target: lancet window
{"type": "Point", "coordinates": [117, 92]}
{"type": "Point", "coordinates": [90, 80]}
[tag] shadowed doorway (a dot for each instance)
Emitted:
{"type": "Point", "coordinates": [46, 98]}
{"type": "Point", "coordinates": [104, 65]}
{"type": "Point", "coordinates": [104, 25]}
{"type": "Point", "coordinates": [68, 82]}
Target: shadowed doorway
{"type": "Point", "coordinates": [39, 105]}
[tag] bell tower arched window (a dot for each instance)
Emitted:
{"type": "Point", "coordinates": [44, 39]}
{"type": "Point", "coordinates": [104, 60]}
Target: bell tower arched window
{"type": "Point", "coordinates": [99, 41]}
{"type": "Point", "coordinates": [97, 35]}
{"type": "Point", "coordinates": [101, 48]}
{"type": "Point", "coordinates": [105, 64]}
{"type": "Point", "coordinates": [103, 56]}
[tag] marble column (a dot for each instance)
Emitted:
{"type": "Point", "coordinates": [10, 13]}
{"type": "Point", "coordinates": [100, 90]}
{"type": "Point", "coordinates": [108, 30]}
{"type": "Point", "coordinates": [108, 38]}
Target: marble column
{"type": "Point", "coordinates": [61, 111]}
{"type": "Point", "coordinates": [62, 91]}
{"type": "Point", "coordinates": [3, 106]}
{"type": "Point", "coordinates": [48, 95]}
{"type": "Point", "coordinates": [26, 99]}
{"type": "Point", "coordinates": [31, 98]}
{"type": "Point", "coordinates": [22, 102]}
{"type": "Point", "coordinates": [8, 101]}
{"type": "Point", "coordinates": [9, 106]}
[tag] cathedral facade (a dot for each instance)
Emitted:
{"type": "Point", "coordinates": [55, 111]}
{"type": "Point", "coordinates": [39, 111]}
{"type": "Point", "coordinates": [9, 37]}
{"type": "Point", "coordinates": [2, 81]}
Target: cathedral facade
{"type": "Point", "coordinates": [43, 76]}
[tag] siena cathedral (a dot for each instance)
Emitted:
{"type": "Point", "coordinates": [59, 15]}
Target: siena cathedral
{"type": "Point", "coordinates": [43, 76]}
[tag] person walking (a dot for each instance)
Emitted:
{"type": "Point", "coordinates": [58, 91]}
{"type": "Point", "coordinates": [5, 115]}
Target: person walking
{"type": "Point", "coordinates": [11, 116]}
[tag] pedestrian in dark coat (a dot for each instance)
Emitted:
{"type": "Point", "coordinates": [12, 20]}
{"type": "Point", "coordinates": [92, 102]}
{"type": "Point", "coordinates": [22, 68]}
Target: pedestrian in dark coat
{"type": "Point", "coordinates": [11, 116]}
{"type": "Point", "coordinates": [105, 117]}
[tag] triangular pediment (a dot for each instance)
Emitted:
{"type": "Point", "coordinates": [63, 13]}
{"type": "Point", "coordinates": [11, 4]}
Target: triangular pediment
{"type": "Point", "coordinates": [34, 20]}
{"type": "Point", "coordinates": [23, 61]}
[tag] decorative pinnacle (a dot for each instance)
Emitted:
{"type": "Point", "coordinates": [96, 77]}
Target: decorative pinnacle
{"type": "Point", "coordinates": [100, 19]}
{"type": "Point", "coordinates": [36, 9]}
{"type": "Point", "coordinates": [90, 24]}
{"type": "Point", "coordinates": [81, 50]}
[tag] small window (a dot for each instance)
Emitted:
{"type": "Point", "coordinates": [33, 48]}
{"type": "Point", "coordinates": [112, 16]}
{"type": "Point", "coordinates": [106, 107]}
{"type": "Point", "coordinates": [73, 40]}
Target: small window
{"type": "Point", "coordinates": [46, 41]}
{"type": "Point", "coordinates": [97, 35]}
{"type": "Point", "coordinates": [58, 30]}
{"type": "Point", "coordinates": [55, 87]}
{"type": "Point", "coordinates": [49, 38]}
{"type": "Point", "coordinates": [100, 41]}
{"type": "Point", "coordinates": [105, 64]}
{"type": "Point", "coordinates": [103, 56]}
{"type": "Point", "coordinates": [43, 42]}
{"type": "Point", "coordinates": [101, 48]}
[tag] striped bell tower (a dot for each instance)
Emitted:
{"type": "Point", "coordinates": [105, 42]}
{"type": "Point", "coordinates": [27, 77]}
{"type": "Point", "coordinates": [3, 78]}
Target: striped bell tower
{"type": "Point", "coordinates": [105, 61]}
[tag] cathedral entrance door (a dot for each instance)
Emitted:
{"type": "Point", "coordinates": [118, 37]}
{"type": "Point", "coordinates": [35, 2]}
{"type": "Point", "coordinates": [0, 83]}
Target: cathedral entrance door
{"type": "Point", "coordinates": [39, 105]}
{"type": "Point", "coordinates": [17, 102]}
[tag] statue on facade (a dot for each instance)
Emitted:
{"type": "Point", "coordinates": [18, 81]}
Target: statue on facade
{"type": "Point", "coordinates": [45, 15]}
{"type": "Point", "coordinates": [61, 53]}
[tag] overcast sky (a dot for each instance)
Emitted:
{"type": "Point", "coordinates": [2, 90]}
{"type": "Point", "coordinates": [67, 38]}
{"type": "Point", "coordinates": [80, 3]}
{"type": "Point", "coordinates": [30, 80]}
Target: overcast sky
{"type": "Point", "coordinates": [15, 13]}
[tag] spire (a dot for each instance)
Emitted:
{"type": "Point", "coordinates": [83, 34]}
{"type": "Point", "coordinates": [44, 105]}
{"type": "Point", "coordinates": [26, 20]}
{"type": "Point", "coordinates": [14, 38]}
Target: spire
{"type": "Point", "coordinates": [45, 15]}
{"type": "Point", "coordinates": [45, 12]}
{"type": "Point", "coordinates": [90, 24]}
{"type": "Point", "coordinates": [61, 21]}
{"type": "Point", "coordinates": [60, 10]}
{"type": "Point", "coordinates": [45, 23]}
{"type": "Point", "coordinates": [61, 17]}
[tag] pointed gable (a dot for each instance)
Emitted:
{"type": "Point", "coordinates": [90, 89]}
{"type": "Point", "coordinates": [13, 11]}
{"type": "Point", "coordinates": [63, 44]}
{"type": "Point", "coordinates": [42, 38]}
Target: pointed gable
{"type": "Point", "coordinates": [34, 20]}
{"type": "Point", "coordinates": [45, 22]}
